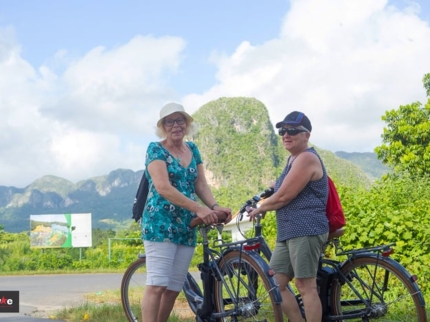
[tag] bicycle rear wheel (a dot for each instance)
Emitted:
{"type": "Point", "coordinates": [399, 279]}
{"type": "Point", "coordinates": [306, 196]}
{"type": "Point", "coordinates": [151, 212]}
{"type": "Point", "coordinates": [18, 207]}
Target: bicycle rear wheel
{"type": "Point", "coordinates": [247, 290]}
{"type": "Point", "coordinates": [132, 288]}
{"type": "Point", "coordinates": [386, 288]}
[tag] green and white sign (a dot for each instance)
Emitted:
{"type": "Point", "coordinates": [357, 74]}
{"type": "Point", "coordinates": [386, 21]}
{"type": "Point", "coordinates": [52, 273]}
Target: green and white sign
{"type": "Point", "coordinates": [60, 231]}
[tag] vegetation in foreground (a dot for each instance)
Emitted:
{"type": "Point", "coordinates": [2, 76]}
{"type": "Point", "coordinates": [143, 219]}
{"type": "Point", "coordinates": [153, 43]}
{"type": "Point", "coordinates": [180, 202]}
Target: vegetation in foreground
{"type": "Point", "coordinates": [106, 307]}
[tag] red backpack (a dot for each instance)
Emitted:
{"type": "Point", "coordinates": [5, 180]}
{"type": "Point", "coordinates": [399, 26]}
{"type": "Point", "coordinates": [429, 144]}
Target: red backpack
{"type": "Point", "coordinates": [334, 211]}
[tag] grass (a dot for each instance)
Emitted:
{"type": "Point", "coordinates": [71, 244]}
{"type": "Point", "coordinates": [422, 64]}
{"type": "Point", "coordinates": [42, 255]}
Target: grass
{"type": "Point", "coordinates": [63, 271]}
{"type": "Point", "coordinates": [92, 312]}
{"type": "Point", "coordinates": [106, 307]}
{"type": "Point", "coordinates": [102, 313]}
{"type": "Point", "coordinates": [71, 271]}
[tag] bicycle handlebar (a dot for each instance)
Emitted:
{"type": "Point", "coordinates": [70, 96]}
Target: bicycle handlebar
{"type": "Point", "coordinates": [252, 202]}
{"type": "Point", "coordinates": [222, 216]}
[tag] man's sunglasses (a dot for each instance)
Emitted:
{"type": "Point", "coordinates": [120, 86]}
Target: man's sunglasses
{"type": "Point", "coordinates": [290, 131]}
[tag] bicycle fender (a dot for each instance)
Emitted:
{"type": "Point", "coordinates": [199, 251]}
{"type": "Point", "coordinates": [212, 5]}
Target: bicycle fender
{"type": "Point", "coordinates": [265, 268]}
{"type": "Point", "coordinates": [397, 266]}
{"type": "Point", "coordinates": [193, 293]}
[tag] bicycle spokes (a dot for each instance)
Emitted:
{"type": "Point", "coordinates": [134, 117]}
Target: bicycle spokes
{"type": "Point", "coordinates": [376, 289]}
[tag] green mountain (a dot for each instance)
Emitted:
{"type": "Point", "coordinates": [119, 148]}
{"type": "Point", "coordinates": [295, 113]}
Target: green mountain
{"type": "Point", "coordinates": [242, 155]}
{"type": "Point", "coordinates": [109, 198]}
{"type": "Point", "coordinates": [237, 143]}
{"type": "Point", "coordinates": [367, 161]}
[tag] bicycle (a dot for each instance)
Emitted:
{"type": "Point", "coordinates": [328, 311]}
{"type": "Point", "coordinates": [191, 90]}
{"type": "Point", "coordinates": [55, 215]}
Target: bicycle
{"type": "Point", "coordinates": [367, 285]}
{"type": "Point", "coordinates": [238, 284]}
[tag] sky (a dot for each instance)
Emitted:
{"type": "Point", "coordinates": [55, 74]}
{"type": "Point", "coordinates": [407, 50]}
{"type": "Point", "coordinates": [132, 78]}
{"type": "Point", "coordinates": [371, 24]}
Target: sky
{"type": "Point", "coordinates": [82, 82]}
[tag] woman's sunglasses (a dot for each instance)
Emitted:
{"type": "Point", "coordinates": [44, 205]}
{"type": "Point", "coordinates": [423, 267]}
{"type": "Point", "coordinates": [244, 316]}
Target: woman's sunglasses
{"type": "Point", "coordinates": [170, 122]}
{"type": "Point", "coordinates": [290, 131]}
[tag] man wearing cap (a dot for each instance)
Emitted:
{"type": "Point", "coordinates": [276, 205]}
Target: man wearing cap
{"type": "Point", "coordinates": [302, 225]}
{"type": "Point", "coordinates": [176, 178]}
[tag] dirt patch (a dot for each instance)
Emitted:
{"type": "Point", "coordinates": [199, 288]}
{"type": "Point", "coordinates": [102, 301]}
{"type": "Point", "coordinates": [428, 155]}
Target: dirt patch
{"type": "Point", "coordinates": [182, 309]}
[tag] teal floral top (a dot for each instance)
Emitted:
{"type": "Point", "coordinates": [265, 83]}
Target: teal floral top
{"type": "Point", "coordinates": [162, 220]}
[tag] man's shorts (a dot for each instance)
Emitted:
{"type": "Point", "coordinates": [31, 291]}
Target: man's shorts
{"type": "Point", "coordinates": [298, 257]}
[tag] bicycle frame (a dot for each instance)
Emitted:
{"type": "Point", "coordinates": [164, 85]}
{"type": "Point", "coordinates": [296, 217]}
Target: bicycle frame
{"type": "Point", "coordinates": [202, 303]}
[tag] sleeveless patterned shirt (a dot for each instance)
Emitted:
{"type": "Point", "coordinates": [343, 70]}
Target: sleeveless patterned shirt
{"type": "Point", "coordinates": [305, 215]}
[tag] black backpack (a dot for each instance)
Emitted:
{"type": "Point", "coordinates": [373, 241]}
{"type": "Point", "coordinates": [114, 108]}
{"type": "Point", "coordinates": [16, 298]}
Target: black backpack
{"type": "Point", "coordinates": [140, 200]}
{"type": "Point", "coordinates": [141, 195]}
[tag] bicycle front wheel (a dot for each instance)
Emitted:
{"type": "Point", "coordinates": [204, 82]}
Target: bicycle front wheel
{"type": "Point", "coordinates": [245, 290]}
{"type": "Point", "coordinates": [381, 289]}
{"type": "Point", "coordinates": [132, 289]}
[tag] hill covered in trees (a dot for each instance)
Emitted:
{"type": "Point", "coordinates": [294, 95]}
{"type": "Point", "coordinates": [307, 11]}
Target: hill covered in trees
{"type": "Point", "coordinates": [366, 161]}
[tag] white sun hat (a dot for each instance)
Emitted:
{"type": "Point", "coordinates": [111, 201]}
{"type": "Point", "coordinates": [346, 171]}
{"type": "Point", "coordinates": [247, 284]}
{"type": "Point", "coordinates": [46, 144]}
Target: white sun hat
{"type": "Point", "coordinates": [171, 108]}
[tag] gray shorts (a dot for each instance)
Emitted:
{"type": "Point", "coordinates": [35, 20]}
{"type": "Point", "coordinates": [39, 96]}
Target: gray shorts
{"type": "Point", "coordinates": [167, 264]}
{"type": "Point", "coordinates": [298, 257]}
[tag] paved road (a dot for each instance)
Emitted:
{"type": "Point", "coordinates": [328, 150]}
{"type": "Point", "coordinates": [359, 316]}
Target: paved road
{"type": "Point", "coordinates": [40, 295]}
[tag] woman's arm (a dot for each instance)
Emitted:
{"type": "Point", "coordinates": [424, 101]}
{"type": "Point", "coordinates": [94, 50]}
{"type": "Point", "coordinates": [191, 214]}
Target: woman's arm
{"type": "Point", "coordinates": [307, 167]}
{"type": "Point", "coordinates": [158, 172]}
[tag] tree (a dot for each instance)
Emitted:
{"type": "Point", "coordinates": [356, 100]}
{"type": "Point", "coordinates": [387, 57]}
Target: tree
{"type": "Point", "coordinates": [426, 82]}
{"type": "Point", "coordinates": [100, 236]}
{"type": "Point", "coordinates": [406, 138]}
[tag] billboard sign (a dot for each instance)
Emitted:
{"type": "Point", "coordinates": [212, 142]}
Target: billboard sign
{"type": "Point", "coordinates": [60, 231]}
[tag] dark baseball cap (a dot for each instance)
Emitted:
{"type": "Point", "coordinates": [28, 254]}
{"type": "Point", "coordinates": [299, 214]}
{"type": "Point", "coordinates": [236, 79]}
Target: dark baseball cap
{"type": "Point", "coordinates": [296, 118]}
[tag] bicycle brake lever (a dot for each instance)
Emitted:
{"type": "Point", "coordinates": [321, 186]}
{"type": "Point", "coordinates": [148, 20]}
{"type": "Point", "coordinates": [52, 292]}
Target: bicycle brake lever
{"type": "Point", "coordinates": [267, 193]}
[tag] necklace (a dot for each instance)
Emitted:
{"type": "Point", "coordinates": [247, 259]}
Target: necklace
{"type": "Point", "coordinates": [176, 152]}
{"type": "Point", "coordinates": [177, 155]}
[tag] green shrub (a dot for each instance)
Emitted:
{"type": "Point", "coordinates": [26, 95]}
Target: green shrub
{"type": "Point", "coordinates": [394, 210]}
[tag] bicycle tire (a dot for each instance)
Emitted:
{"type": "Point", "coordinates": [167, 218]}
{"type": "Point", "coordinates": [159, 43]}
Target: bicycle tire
{"type": "Point", "coordinates": [132, 287]}
{"type": "Point", "coordinates": [395, 297]}
{"type": "Point", "coordinates": [251, 293]}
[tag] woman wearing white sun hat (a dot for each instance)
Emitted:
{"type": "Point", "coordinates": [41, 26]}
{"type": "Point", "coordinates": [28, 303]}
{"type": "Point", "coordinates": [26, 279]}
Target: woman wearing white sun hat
{"type": "Point", "coordinates": [176, 178]}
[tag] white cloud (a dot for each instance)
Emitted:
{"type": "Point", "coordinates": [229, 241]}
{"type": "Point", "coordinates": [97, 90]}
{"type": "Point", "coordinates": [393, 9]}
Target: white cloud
{"type": "Point", "coordinates": [344, 63]}
{"type": "Point", "coordinates": [97, 116]}
{"type": "Point", "coordinates": [118, 89]}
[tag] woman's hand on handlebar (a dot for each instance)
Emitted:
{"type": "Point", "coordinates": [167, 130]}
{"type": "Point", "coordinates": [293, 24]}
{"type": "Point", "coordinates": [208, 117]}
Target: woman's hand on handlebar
{"type": "Point", "coordinates": [222, 215]}
{"type": "Point", "coordinates": [253, 212]}
{"type": "Point", "coordinates": [207, 215]}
